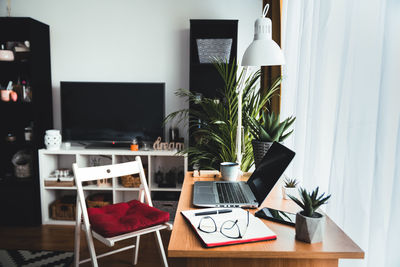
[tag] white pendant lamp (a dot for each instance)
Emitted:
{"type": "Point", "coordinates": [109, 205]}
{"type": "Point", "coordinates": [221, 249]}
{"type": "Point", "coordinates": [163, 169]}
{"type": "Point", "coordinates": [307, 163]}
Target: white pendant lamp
{"type": "Point", "coordinates": [263, 51]}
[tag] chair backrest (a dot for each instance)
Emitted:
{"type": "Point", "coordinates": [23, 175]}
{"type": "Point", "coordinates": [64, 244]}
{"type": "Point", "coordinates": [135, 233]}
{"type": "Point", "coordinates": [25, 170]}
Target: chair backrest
{"type": "Point", "coordinates": [85, 174]}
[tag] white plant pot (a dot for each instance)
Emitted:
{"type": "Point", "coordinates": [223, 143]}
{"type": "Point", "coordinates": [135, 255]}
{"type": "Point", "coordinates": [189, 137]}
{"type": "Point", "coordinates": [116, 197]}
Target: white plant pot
{"type": "Point", "coordinates": [52, 139]}
{"type": "Point", "coordinates": [310, 229]}
{"type": "Point", "coordinates": [289, 191]}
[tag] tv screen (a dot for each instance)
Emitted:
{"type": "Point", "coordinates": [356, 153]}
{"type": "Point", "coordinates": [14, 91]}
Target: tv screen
{"type": "Point", "coordinates": [111, 112]}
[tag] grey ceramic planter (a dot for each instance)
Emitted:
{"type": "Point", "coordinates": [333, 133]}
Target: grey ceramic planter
{"type": "Point", "coordinates": [308, 229]}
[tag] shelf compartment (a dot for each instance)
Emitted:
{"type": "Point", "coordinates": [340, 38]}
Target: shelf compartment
{"type": "Point", "coordinates": [51, 162]}
{"type": "Point", "coordinates": [125, 195]}
{"type": "Point", "coordinates": [51, 195]}
{"type": "Point", "coordinates": [167, 170]}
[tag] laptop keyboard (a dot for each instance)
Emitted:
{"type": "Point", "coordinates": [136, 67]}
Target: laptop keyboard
{"type": "Point", "coordinates": [230, 193]}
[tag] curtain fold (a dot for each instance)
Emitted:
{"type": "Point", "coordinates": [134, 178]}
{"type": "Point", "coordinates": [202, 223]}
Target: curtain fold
{"type": "Point", "coordinates": [342, 82]}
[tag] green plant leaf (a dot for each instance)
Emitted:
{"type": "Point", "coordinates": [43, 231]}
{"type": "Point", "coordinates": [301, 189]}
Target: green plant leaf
{"type": "Point", "coordinates": [269, 127]}
{"type": "Point", "coordinates": [213, 122]}
{"type": "Point", "coordinates": [310, 202]}
{"type": "Point", "coordinates": [297, 201]}
{"type": "Point", "coordinates": [283, 137]}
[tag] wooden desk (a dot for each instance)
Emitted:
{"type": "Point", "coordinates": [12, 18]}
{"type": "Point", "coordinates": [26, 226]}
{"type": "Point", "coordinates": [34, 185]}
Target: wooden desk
{"type": "Point", "coordinates": [187, 250]}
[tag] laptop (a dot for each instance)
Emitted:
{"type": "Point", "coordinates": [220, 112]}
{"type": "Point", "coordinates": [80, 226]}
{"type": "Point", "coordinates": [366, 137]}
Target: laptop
{"type": "Point", "coordinates": [248, 194]}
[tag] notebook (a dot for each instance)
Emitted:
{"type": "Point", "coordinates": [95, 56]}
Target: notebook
{"type": "Point", "coordinates": [248, 194]}
{"type": "Point", "coordinates": [255, 231]}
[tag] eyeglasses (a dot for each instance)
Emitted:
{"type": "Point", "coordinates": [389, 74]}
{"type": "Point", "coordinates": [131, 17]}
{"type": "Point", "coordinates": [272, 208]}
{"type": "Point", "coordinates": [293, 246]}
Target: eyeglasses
{"type": "Point", "coordinates": [230, 228]}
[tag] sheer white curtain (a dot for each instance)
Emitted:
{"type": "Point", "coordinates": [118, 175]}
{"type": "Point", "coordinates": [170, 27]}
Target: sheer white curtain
{"type": "Point", "coordinates": [342, 82]}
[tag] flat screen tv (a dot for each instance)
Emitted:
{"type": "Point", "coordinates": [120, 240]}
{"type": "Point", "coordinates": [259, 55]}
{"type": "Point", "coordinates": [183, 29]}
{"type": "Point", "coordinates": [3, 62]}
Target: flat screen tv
{"type": "Point", "coordinates": [112, 112]}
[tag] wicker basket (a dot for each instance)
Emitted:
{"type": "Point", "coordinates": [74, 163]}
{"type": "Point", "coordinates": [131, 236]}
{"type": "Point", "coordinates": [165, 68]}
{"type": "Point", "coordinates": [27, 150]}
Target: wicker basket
{"type": "Point", "coordinates": [259, 150]}
{"type": "Point", "coordinates": [98, 200]}
{"type": "Point", "coordinates": [61, 183]}
{"type": "Point", "coordinates": [130, 181]}
{"type": "Point", "coordinates": [63, 209]}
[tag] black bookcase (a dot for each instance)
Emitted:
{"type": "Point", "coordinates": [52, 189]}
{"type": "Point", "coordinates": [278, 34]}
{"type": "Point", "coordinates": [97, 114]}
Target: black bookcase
{"type": "Point", "coordinates": [20, 195]}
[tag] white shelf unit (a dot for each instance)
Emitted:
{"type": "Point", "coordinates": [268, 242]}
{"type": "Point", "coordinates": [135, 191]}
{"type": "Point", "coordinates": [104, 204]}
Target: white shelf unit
{"type": "Point", "coordinates": [153, 160]}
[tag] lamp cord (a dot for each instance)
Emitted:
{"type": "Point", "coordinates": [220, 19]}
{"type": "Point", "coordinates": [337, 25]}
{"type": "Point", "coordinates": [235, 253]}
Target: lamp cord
{"type": "Point", "coordinates": [9, 8]}
{"type": "Point", "coordinates": [265, 11]}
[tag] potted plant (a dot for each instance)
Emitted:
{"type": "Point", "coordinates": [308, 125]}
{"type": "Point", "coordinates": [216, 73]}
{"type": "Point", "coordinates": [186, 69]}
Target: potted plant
{"type": "Point", "coordinates": [267, 130]}
{"type": "Point", "coordinates": [310, 225]}
{"type": "Point", "coordinates": [289, 188]}
{"type": "Point", "coordinates": [213, 122]}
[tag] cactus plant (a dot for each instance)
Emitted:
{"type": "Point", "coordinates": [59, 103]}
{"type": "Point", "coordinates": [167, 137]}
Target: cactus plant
{"type": "Point", "coordinates": [289, 187]}
{"type": "Point", "coordinates": [290, 183]}
{"type": "Point", "coordinates": [270, 128]}
{"type": "Point", "coordinates": [310, 202]}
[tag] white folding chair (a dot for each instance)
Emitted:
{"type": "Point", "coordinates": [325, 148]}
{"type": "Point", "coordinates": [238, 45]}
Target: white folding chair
{"type": "Point", "coordinates": [108, 171]}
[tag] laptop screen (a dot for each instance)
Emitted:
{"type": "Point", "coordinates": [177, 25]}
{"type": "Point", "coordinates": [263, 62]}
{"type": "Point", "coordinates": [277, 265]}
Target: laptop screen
{"type": "Point", "coordinates": [269, 170]}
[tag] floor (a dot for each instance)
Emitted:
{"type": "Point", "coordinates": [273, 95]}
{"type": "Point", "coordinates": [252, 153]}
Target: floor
{"type": "Point", "coordinates": [62, 238]}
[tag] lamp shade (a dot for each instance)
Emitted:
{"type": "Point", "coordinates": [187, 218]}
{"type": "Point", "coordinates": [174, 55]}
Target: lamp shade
{"type": "Point", "coordinates": [263, 51]}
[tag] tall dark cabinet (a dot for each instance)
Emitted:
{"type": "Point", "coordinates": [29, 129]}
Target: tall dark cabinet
{"type": "Point", "coordinates": [24, 121]}
{"type": "Point", "coordinates": [217, 36]}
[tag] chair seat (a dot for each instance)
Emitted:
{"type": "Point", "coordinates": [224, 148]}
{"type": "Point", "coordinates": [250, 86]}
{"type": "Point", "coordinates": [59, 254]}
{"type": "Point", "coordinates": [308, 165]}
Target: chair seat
{"type": "Point", "coordinates": [121, 218]}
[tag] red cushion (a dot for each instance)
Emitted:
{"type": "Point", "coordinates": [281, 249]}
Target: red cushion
{"type": "Point", "coordinates": [121, 218]}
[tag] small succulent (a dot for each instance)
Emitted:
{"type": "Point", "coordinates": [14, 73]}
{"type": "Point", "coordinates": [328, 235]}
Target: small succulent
{"type": "Point", "coordinates": [269, 128]}
{"type": "Point", "coordinates": [290, 183]}
{"type": "Point", "coordinates": [310, 202]}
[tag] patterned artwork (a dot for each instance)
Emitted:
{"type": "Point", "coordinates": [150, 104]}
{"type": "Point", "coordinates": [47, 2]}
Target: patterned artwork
{"type": "Point", "coordinates": [211, 49]}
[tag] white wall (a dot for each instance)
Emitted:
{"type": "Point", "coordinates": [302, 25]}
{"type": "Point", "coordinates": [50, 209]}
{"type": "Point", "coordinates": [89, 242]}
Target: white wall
{"type": "Point", "coordinates": [128, 40]}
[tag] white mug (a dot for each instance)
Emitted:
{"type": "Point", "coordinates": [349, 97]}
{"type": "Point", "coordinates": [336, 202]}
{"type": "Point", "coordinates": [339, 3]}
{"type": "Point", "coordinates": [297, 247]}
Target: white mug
{"type": "Point", "coordinates": [229, 171]}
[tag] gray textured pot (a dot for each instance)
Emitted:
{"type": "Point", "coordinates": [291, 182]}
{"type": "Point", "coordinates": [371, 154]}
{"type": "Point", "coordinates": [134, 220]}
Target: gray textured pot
{"type": "Point", "coordinates": [309, 229]}
{"type": "Point", "coordinates": [259, 150]}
